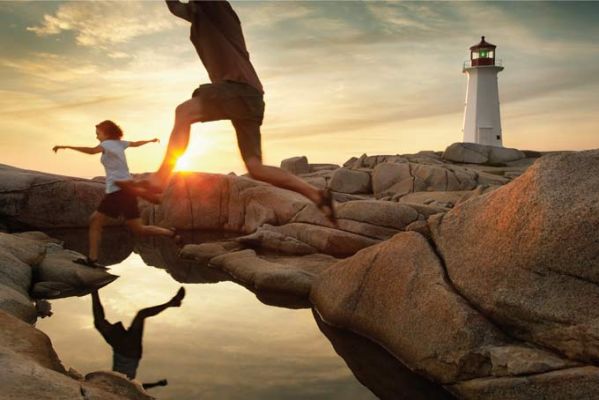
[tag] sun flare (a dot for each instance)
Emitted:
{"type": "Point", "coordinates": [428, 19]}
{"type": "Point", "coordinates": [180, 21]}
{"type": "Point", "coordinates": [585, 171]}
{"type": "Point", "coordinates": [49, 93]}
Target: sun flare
{"type": "Point", "coordinates": [185, 162]}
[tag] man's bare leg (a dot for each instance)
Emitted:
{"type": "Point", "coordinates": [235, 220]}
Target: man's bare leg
{"type": "Point", "coordinates": [185, 114]}
{"type": "Point", "coordinates": [286, 180]}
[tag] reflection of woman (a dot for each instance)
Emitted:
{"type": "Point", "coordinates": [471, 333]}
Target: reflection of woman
{"type": "Point", "coordinates": [127, 343]}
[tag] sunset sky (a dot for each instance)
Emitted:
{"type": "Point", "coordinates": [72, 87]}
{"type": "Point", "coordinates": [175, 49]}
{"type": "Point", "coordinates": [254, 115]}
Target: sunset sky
{"type": "Point", "coordinates": [341, 78]}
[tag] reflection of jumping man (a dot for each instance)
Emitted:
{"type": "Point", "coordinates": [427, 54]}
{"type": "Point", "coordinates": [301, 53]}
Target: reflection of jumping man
{"type": "Point", "coordinates": [235, 94]}
{"type": "Point", "coordinates": [127, 343]}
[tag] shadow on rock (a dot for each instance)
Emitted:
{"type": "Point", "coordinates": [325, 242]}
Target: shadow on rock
{"type": "Point", "coordinates": [379, 371]}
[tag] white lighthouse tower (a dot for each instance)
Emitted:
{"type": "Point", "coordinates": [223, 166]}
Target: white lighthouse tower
{"type": "Point", "coordinates": [482, 123]}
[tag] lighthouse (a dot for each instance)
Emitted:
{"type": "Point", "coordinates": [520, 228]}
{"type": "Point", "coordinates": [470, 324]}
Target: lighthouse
{"type": "Point", "coordinates": [482, 123]}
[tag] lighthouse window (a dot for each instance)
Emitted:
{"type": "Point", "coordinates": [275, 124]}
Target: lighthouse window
{"type": "Point", "coordinates": [475, 55]}
{"type": "Point", "coordinates": [484, 54]}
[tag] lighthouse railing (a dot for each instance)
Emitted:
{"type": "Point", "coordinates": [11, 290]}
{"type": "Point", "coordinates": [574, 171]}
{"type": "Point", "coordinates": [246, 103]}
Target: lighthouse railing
{"type": "Point", "coordinates": [468, 64]}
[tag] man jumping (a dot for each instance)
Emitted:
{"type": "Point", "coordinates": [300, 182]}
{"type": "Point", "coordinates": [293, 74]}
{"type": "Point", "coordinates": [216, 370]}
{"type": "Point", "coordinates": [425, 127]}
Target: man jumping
{"type": "Point", "coordinates": [235, 94]}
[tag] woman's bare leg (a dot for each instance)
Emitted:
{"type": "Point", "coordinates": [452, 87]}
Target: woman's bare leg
{"type": "Point", "coordinates": [140, 229]}
{"type": "Point", "coordinates": [96, 222]}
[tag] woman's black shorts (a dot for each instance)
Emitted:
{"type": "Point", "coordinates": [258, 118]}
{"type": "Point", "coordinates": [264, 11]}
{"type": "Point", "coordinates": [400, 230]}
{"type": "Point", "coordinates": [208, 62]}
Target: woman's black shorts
{"type": "Point", "coordinates": [119, 203]}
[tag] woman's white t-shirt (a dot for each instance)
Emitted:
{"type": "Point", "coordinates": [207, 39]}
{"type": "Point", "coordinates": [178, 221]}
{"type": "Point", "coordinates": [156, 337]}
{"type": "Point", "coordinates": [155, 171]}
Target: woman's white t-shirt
{"type": "Point", "coordinates": [115, 163]}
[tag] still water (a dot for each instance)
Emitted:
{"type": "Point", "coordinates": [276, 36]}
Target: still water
{"type": "Point", "coordinates": [223, 342]}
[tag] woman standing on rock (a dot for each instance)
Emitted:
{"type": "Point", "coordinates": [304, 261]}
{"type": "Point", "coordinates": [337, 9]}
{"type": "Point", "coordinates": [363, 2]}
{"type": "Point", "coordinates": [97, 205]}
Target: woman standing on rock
{"type": "Point", "coordinates": [118, 200]}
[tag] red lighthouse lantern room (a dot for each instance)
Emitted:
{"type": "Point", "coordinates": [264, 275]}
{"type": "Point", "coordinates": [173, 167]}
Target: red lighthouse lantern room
{"type": "Point", "coordinates": [482, 53]}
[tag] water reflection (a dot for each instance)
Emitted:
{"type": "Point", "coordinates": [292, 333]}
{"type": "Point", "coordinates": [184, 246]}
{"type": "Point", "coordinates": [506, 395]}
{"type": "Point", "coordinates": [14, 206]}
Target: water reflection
{"type": "Point", "coordinates": [164, 254]}
{"type": "Point", "coordinates": [224, 344]}
{"type": "Point", "coordinates": [126, 344]}
{"type": "Point", "coordinates": [116, 245]}
{"type": "Point", "coordinates": [378, 370]}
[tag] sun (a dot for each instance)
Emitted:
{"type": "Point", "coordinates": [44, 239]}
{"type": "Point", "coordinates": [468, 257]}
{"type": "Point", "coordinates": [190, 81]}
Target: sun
{"type": "Point", "coordinates": [185, 162]}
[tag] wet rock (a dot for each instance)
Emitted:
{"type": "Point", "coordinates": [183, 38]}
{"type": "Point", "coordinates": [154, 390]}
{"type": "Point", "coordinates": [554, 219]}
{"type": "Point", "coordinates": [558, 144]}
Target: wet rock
{"type": "Point", "coordinates": [296, 165]}
{"type": "Point", "coordinates": [116, 384]}
{"type": "Point", "coordinates": [481, 154]}
{"type": "Point", "coordinates": [14, 273]}
{"type": "Point", "coordinates": [17, 383]}
{"type": "Point", "coordinates": [30, 343]}
{"type": "Point", "coordinates": [526, 255]}
{"type": "Point", "coordinates": [572, 383]}
{"type": "Point", "coordinates": [17, 304]}
{"type": "Point", "coordinates": [31, 369]}
{"type": "Point", "coordinates": [58, 276]}
{"type": "Point", "coordinates": [350, 181]}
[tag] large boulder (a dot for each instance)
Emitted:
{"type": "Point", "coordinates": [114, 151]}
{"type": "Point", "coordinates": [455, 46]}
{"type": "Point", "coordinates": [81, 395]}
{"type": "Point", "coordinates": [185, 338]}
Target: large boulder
{"type": "Point", "coordinates": [57, 276]}
{"type": "Point", "coordinates": [527, 254]}
{"type": "Point", "coordinates": [16, 303]}
{"type": "Point", "coordinates": [474, 153]}
{"type": "Point", "coordinates": [350, 181]}
{"type": "Point", "coordinates": [296, 165]}
{"type": "Point", "coordinates": [292, 278]}
{"type": "Point", "coordinates": [365, 161]}
{"type": "Point", "coordinates": [379, 371]}
{"type": "Point", "coordinates": [323, 239]}
{"type": "Point", "coordinates": [401, 179]}
{"type": "Point", "coordinates": [229, 203]}
{"type": "Point", "coordinates": [40, 200]}
{"type": "Point", "coordinates": [17, 254]}
{"type": "Point", "coordinates": [380, 213]}
{"type": "Point", "coordinates": [397, 294]}
{"type": "Point", "coordinates": [31, 343]}
{"type": "Point", "coordinates": [32, 264]}
{"type": "Point", "coordinates": [30, 369]}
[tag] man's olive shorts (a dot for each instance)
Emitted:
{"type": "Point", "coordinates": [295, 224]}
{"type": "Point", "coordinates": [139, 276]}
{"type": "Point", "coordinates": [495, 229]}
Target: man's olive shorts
{"type": "Point", "coordinates": [240, 103]}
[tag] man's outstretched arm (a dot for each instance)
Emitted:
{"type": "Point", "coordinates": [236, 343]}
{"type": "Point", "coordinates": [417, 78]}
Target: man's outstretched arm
{"type": "Point", "coordinates": [179, 9]}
